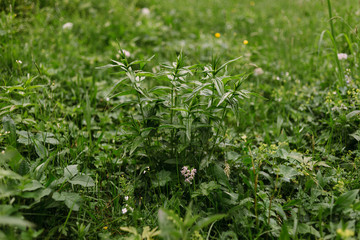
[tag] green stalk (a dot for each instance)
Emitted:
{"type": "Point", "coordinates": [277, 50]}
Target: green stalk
{"type": "Point", "coordinates": [217, 132]}
{"type": "Point", "coordinates": [255, 187]}
{"type": "Point", "coordinates": [173, 101]}
{"type": "Point", "coordinates": [341, 75]}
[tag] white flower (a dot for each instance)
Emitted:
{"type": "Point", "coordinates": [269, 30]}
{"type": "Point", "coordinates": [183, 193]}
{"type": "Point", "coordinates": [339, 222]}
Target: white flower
{"type": "Point", "coordinates": [124, 210]}
{"type": "Point", "coordinates": [342, 56]}
{"type": "Point", "coordinates": [258, 71]}
{"type": "Point", "coordinates": [67, 26]}
{"type": "Point", "coordinates": [18, 61]}
{"type": "Point", "coordinates": [126, 53]}
{"type": "Point", "coordinates": [145, 11]}
{"type": "Point", "coordinates": [126, 198]}
{"type": "Point", "coordinates": [107, 99]}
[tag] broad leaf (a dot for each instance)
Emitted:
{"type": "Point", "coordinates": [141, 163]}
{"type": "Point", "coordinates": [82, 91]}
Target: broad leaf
{"type": "Point", "coordinates": [83, 180]}
{"type": "Point", "coordinates": [346, 199]}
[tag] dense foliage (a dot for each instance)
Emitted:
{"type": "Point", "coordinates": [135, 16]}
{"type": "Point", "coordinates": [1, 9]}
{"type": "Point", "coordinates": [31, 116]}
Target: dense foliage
{"type": "Point", "coordinates": [199, 119]}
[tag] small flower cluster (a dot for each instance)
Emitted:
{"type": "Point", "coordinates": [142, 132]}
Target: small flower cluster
{"type": "Point", "coordinates": [127, 207]}
{"type": "Point", "coordinates": [342, 56]}
{"type": "Point", "coordinates": [67, 26]}
{"type": "Point", "coordinates": [188, 174]}
{"type": "Point", "coordinates": [227, 170]}
{"type": "Point", "coordinates": [264, 148]}
{"type": "Point", "coordinates": [345, 233]}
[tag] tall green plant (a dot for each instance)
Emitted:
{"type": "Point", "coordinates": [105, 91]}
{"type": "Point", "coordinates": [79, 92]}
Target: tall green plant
{"type": "Point", "coordinates": [177, 116]}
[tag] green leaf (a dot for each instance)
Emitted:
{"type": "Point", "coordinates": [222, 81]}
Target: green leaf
{"type": "Point", "coordinates": [220, 175]}
{"type": "Point", "coordinates": [206, 189]}
{"type": "Point", "coordinates": [115, 86]}
{"type": "Point", "coordinates": [188, 124]}
{"type": "Point", "coordinates": [40, 149]}
{"type": "Point", "coordinates": [9, 126]}
{"type": "Point", "coordinates": [15, 221]}
{"type": "Point", "coordinates": [32, 186]}
{"type": "Point", "coordinates": [345, 200]}
{"type": "Point", "coordinates": [23, 167]}
{"type": "Point", "coordinates": [135, 144]}
{"type": "Point", "coordinates": [284, 235]}
{"type": "Point", "coordinates": [83, 180]}
{"type": "Point", "coordinates": [307, 229]}
{"type": "Point", "coordinates": [129, 230]}
{"type": "Point", "coordinates": [287, 172]}
{"type": "Point", "coordinates": [162, 178]}
{"type": "Point", "coordinates": [70, 171]}
{"type": "Point", "coordinates": [227, 63]}
{"type": "Point", "coordinates": [196, 90]}
{"type": "Point", "coordinates": [352, 114]}
{"type": "Point", "coordinates": [149, 234]}
{"type": "Point", "coordinates": [208, 220]}
{"type": "Point", "coordinates": [219, 85]}
{"type": "Point", "coordinates": [25, 137]}
{"type": "Point", "coordinates": [12, 157]}
{"type": "Point", "coordinates": [175, 126]}
{"type": "Point", "coordinates": [356, 135]}
{"type": "Point", "coordinates": [72, 200]}
{"type": "Point", "coordinates": [223, 98]}
{"type": "Point", "coordinates": [9, 174]}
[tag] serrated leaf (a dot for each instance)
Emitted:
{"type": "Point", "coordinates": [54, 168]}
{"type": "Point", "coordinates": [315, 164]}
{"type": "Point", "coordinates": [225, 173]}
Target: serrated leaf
{"type": "Point", "coordinates": [287, 172]}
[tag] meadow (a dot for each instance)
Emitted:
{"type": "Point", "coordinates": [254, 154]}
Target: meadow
{"type": "Point", "coordinates": [206, 119]}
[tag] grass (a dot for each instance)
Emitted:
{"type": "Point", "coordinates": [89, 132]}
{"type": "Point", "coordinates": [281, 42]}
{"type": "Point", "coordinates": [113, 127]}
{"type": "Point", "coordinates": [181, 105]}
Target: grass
{"type": "Point", "coordinates": [105, 105]}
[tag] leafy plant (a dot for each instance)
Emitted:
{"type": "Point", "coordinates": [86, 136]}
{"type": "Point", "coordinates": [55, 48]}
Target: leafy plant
{"type": "Point", "coordinates": [174, 227]}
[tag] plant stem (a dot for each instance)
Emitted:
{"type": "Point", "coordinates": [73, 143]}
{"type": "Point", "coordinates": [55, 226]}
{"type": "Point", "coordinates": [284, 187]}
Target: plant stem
{"type": "Point", "coordinates": [217, 132]}
{"type": "Point", "coordinates": [272, 197]}
{"type": "Point", "coordinates": [255, 187]}
{"type": "Point", "coordinates": [334, 44]}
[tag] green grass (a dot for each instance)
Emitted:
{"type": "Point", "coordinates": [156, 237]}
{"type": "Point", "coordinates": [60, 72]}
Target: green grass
{"type": "Point", "coordinates": [94, 140]}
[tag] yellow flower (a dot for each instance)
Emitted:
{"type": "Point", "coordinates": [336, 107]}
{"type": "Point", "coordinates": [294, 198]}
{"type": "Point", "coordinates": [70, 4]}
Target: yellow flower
{"type": "Point", "coordinates": [345, 234]}
{"type": "Point", "coordinates": [245, 42]}
{"type": "Point", "coordinates": [252, 3]}
{"type": "Point", "coordinates": [217, 35]}
{"type": "Point", "coordinates": [105, 228]}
